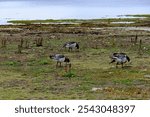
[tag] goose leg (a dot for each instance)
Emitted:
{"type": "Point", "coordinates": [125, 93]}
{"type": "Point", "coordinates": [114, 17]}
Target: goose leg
{"type": "Point", "coordinates": [69, 50]}
{"type": "Point", "coordinates": [122, 65]}
{"type": "Point", "coordinates": [116, 65]}
{"type": "Point", "coordinates": [57, 64]}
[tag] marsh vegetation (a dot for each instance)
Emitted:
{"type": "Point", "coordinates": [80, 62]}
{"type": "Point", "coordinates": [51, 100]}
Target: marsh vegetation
{"type": "Point", "coordinates": [26, 72]}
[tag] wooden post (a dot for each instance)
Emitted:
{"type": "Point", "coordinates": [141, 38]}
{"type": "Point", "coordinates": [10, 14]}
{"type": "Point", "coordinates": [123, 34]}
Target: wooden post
{"type": "Point", "coordinates": [3, 42]}
{"type": "Point", "coordinates": [19, 49]}
{"type": "Point", "coordinates": [140, 48]}
{"type": "Point", "coordinates": [39, 42]}
{"type": "Point", "coordinates": [21, 42]}
{"type": "Point", "coordinates": [67, 68]}
{"type": "Point", "coordinates": [136, 39]}
{"type": "Point", "coordinates": [26, 44]}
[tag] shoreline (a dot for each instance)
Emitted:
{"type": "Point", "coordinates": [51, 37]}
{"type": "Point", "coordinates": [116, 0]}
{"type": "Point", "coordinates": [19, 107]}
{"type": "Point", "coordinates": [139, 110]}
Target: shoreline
{"type": "Point", "coordinates": [72, 21]}
{"type": "Point", "coordinates": [121, 21]}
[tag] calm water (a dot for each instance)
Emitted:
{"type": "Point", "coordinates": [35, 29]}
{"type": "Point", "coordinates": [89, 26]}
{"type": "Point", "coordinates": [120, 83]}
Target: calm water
{"type": "Point", "coordinates": [75, 9]}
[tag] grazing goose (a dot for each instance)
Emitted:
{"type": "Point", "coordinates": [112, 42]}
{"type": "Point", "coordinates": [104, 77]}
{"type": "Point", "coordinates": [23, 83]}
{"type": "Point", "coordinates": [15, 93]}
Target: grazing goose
{"type": "Point", "coordinates": [71, 45]}
{"type": "Point", "coordinates": [59, 58]}
{"type": "Point", "coordinates": [119, 58]}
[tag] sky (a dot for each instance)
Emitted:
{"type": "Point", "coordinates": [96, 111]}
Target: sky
{"type": "Point", "coordinates": [90, 2]}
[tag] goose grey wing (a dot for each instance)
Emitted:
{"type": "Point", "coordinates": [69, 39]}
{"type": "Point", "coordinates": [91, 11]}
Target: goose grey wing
{"type": "Point", "coordinates": [58, 56]}
{"type": "Point", "coordinates": [72, 42]}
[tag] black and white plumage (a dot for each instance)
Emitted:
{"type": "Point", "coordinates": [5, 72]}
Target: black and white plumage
{"type": "Point", "coordinates": [119, 58]}
{"type": "Point", "coordinates": [59, 58]}
{"type": "Point", "coordinates": [71, 45]}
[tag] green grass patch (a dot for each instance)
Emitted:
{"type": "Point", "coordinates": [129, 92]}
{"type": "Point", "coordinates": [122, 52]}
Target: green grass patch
{"type": "Point", "coordinates": [11, 63]}
{"type": "Point", "coordinates": [69, 74]}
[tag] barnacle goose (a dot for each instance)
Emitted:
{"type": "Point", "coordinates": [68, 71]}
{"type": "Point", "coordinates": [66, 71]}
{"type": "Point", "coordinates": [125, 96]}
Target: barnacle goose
{"type": "Point", "coordinates": [119, 58]}
{"type": "Point", "coordinates": [71, 45]}
{"type": "Point", "coordinates": [59, 58]}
